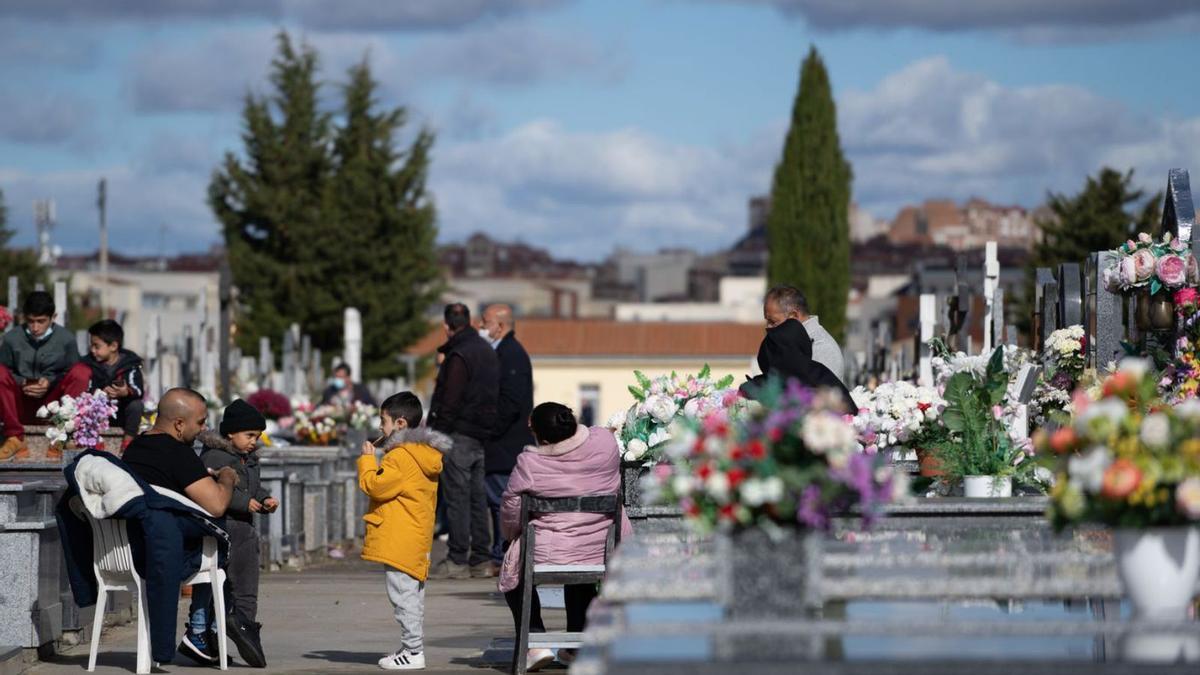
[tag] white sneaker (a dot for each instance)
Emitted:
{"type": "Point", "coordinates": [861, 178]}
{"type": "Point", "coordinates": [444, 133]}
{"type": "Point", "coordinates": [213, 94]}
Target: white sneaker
{"type": "Point", "coordinates": [536, 659]}
{"type": "Point", "coordinates": [403, 660]}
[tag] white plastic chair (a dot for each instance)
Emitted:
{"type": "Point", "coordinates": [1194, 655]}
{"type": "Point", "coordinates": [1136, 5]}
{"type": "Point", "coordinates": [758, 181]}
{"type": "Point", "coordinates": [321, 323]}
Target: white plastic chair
{"type": "Point", "coordinates": [113, 564]}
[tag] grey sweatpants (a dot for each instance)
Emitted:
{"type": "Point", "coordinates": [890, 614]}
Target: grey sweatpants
{"type": "Point", "coordinates": [408, 600]}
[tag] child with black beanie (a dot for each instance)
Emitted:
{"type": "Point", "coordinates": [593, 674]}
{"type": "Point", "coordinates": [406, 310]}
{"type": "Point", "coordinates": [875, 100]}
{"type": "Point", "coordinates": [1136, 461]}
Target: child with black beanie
{"type": "Point", "coordinates": [235, 445]}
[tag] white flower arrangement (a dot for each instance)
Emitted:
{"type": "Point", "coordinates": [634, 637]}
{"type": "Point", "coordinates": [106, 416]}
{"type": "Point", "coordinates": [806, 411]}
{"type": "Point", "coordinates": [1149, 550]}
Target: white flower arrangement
{"type": "Point", "coordinates": [895, 414]}
{"type": "Point", "coordinates": [643, 431]}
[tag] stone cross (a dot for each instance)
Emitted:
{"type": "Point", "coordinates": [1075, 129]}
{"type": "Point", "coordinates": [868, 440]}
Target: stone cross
{"type": "Point", "coordinates": [991, 279]}
{"type": "Point", "coordinates": [266, 361]}
{"type": "Point", "coordinates": [1026, 383]}
{"type": "Point", "coordinates": [1045, 305]}
{"type": "Point", "coordinates": [154, 358]}
{"type": "Point", "coordinates": [959, 306]}
{"type": "Point", "coordinates": [352, 342]}
{"type": "Point", "coordinates": [1178, 214]}
{"type": "Point", "coordinates": [13, 292]}
{"type": "Point", "coordinates": [998, 316]}
{"type": "Point", "coordinates": [60, 301]}
{"type": "Point", "coordinates": [928, 321]}
{"type": "Point", "coordinates": [224, 333]}
{"type": "Point", "coordinates": [289, 363]}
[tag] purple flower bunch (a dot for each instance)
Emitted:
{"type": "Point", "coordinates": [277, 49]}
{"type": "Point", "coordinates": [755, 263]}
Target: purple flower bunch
{"type": "Point", "coordinates": [92, 415]}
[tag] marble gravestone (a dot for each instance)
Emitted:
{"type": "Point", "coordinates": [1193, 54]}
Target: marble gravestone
{"type": "Point", "coordinates": [1046, 299]}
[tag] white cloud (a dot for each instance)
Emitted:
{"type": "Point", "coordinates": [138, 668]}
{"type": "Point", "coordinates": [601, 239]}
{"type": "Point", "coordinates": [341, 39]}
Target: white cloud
{"type": "Point", "coordinates": [41, 115]}
{"type": "Point", "coordinates": [377, 15]}
{"type": "Point", "coordinates": [930, 130]}
{"type": "Point", "coordinates": [943, 15]}
{"type": "Point", "coordinates": [580, 194]}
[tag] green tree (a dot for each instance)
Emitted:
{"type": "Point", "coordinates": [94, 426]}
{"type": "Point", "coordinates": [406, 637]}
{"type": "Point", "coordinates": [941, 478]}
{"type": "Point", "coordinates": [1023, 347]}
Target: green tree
{"type": "Point", "coordinates": [320, 215]}
{"type": "Point", "coordinates": [384, 226]}
{"type": "Point", "coordinates": [21, 263]}
{"type": "Point", "coordinates": [1100, 217]}
{"type": "Point", "coordinates": [808, 228]}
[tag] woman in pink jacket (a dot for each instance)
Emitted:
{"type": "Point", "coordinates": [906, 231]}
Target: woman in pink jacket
{"type": "Point", "coordinates": [569, 460]}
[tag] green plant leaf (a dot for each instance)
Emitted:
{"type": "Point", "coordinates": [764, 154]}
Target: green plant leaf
{"type": "Point", "coordinates": [642, 379]}
{"type": "Point", "coordinates": [1155, 286]}
{"type": "Point", "coordinates": [705, 372]}
{"type": "Point", "coordinates": [637, 394]}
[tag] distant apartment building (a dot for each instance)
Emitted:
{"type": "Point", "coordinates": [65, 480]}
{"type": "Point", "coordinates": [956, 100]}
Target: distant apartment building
{"type": "Point", "coordinates": [941, 222]}
{"type": "Point", "coordinates": [173, 292]}
{"type": "Point", "coordinates": [482, 271]}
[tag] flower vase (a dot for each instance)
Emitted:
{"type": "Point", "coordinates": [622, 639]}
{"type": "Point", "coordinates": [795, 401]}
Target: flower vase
{"type": "Point", "coordinates": [930, 465]}
{"type": "Point", "coordinates": [1158, 568]}
{"type": "Point", "coordinates": [977, 487]}
{"type": "Point", "coordinates": [1154, 312]}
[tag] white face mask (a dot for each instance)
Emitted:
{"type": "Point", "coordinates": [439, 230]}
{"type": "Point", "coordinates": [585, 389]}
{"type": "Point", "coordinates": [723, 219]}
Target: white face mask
{"type": "Point", "coordinates": [488, 338]}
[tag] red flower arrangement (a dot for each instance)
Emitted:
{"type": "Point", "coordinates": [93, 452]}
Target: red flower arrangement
{"type": "Point", "coordinates": [270, 403]}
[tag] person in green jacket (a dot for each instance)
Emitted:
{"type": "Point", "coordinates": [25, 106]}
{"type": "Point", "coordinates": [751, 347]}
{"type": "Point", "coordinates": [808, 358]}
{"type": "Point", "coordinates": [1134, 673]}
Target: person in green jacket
{"type": "Point", "coordinates": [39, 364]}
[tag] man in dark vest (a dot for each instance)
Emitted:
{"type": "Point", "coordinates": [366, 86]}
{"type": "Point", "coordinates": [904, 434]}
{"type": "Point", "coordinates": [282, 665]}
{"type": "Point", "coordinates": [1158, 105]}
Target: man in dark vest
{"type": "Point", "coordinates": [787, 350]}
{"type": "Point", "coordinates": [464, 407]}
{"type": "Point", "coordinates": [515, 406]}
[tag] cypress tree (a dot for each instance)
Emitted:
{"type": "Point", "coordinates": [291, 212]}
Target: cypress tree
{"type": "Point", "coordinates": [385, 219]}
{"type": "Point", "coordinates": [808, 228]}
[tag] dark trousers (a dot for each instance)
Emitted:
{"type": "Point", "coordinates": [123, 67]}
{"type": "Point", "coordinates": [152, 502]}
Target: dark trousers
{"type": "Point", "coordinates": [495, 483]}
{"type": "Point", "coordinates": [17, 409]}
{"type": "Point", "coordinates": [466, 502]}
{"type": "Point", "coordinates": [129, 415]}
{"type": "Point", "coordinates": [577, 596]}
{"type": "Point", "coordinates": [241, 579]}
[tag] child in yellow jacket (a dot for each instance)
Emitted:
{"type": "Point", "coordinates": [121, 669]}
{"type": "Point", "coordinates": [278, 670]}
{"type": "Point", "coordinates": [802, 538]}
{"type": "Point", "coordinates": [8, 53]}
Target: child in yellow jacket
{"type": "Point", "coordinates": [403, 493]}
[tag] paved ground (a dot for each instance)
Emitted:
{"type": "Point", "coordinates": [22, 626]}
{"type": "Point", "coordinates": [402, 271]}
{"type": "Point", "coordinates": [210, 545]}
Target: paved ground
{"type": "Point", "coordinates": [336, 619]}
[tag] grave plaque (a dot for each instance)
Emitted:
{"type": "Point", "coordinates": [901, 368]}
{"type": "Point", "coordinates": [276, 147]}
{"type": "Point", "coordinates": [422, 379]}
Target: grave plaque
{"type": "Point", "coordinates": [1110, 326]}
{"type": "Point", "coordinates": [1046, 299]}
{"type": "Point", "coordinates": [1070, 295]}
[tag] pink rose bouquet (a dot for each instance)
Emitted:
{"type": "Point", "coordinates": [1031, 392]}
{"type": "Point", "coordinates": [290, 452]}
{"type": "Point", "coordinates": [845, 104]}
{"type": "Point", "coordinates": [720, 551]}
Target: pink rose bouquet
{"type": "Point", "coordinates": [5, 318]}
{"type": "Point", "coordinates": [1154, 265]}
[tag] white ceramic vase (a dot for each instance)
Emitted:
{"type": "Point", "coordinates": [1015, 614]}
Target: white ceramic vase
{"type": "Point", "coordinates": [987, 486]}
{"type": "Point", "coordinates": [1158, 568]}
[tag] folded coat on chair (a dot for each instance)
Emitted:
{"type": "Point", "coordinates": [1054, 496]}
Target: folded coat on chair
{"type": "Point", "coordinates": [157, 520]}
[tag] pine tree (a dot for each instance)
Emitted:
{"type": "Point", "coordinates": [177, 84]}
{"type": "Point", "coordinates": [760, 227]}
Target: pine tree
{"type": "Point", "coordinates": [1099, 218]}
{"type": "Point", "coordinates": [808, 228]}
{"type": "Point", "coordinates": [273, 203]}
{"type": "Point", "coordinates": [385, 219]}
{"type": "Point", "coordinates": [21, 263]}
{"type": "Point", "coordinates": [320, 216]}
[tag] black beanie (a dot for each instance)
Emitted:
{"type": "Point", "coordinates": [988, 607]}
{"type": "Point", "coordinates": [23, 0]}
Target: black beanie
{"type": "Point", "coordinates": [241, 416]}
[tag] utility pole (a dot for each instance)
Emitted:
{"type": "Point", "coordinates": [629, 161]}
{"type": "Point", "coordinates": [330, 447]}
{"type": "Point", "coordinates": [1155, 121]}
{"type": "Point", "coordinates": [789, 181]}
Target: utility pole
{"type": "Point", "coordinates": [101, 201]}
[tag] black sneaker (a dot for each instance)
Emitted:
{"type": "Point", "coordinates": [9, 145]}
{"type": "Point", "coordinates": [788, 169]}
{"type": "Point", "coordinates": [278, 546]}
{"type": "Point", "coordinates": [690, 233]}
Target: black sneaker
{"type": "Point", "coordinates": [199, 648]}
{"type": "Point", "coordinates": [245, 634]}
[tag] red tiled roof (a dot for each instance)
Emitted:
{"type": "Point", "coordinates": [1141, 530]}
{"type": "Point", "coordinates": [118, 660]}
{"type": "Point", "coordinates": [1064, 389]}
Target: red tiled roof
{"type": "Point", "coordinates": [601, 338]}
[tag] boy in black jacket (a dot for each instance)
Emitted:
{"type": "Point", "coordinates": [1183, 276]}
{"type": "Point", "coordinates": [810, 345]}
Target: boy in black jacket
{"type": "Point", "coordinates": [118, 372]}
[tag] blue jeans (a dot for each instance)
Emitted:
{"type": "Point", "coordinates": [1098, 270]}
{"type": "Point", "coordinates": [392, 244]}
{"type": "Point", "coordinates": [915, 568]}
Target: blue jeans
{"type": "Point", "coordinates": [495, 484]}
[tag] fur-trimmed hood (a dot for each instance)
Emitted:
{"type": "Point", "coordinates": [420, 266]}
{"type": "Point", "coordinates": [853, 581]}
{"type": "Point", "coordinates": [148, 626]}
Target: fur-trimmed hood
{"type": "Point", "coordinates": [423, 435]}
{"type": "Point", "coordinates": [215, 441]}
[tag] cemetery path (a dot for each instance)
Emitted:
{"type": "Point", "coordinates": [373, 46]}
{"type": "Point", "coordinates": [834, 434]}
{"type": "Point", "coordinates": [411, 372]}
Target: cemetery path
{"type": "Point", "coordinates": [335, 618]}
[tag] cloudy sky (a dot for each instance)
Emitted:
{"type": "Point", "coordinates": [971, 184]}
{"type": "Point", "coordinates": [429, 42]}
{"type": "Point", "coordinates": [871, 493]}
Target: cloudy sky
{"type": "Point", "coordinates": [580, 125]}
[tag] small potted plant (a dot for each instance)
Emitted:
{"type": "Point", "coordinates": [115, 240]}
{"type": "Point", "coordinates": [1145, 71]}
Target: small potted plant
{"type": "Point", "coordinates": [1132, 462]}
{"type": "Point", "coordinates": [901, 417]}
{"type": "Point", "coordinates": [979, 451]}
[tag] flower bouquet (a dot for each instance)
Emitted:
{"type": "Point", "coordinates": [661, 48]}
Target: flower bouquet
{"type": "Point", "coordinates": [78, 420]}
{"type": "Point", "coordinates": [642, 431]}
{"type": "Point", "coordinates": [1153, 265]}
{"type": "Point", "coordinates": [316, 426]}
{"type": "Point", "coordinates": [1182, 377]}
{"type": "Point", "coordinates": [794, 461]}
{"type": "Point", "coordinates": [5, 318]}
{"type": "Point", "coordinates": [362, 417]}
{"type": "Point", "coordinates": [1063, 363]}
{"type": "Point", "coordinates": [1132, 462]}
{"type": "Point", "coordinates": [898, 417]}
{"type": "Point", "coordinates": [272, 404]}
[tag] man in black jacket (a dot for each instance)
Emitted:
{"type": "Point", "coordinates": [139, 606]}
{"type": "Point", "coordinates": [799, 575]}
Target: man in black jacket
{"type": "Point", "coordinates": [787, 350]}
{"type": "Point", "coordinates": [514, 408]}
{"type": "Point", "coordinates": [464, 406]}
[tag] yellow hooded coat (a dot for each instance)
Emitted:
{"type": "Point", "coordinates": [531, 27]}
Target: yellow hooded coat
{"type": "Point", "coordinates": [403, 493]}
